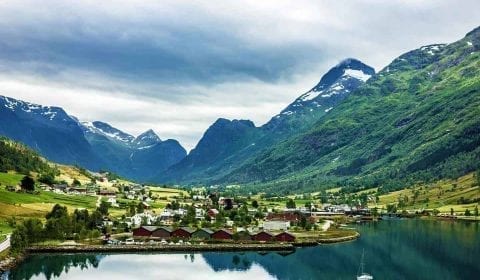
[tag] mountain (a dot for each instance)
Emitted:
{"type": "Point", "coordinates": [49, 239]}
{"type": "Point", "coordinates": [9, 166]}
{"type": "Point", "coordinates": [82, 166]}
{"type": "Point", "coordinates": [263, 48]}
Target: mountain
{"type": "Point", "coordinates": [332, 89]}
{"type": "Point", "coordinates": [139, 157]}
{"type": "Point", "coordinates": [93, 145]}
{"type": "Point", "coordinates": [227, 144]}
{"type": "Point", "coordinates": [48, 130]}
{"type": "Point", "coordinates": [17, 157]}
{"type": "Point", "coordinates": [416, 120]}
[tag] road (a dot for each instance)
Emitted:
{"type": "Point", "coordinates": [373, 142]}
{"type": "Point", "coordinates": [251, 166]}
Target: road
{"type": "Point", "coordinates": [5, 244]}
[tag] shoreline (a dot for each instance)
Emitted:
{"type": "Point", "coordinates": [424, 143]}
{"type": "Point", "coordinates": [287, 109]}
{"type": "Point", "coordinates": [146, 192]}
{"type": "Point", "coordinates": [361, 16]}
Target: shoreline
{"type": "Point", "coordinates": [11, 262]}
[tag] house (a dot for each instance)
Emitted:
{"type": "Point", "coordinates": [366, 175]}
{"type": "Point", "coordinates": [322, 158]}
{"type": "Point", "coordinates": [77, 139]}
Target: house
{"type": "Point", "coordinates": [202, 234]}
{"type": "Point", "coordinates": [107, 192]}
{"type": "Point", "coordinates": [276, 225]}
{"type": "Point", "coordinates": [162, 232]}
{"type": "Point", "coordinates": [145, 205]}
{"type": "Point", "coordinates": [263, 236]}
{"type": "Point", "coordinates": [290, 217]}
{"type": "Point", "coordinates": [183, 232]}
{"type": "Point", "coordinates": [60, 187]}
{"type": "Point", "coordinates": [144, 231]}
{"type": "Point", "coordinates": [242, 235]}
{"type": "Point", "coordinates": [212, 213]}
{"type": "Point", "coordinates": [222, 234]}
{"type": "Point", "coordinates": [78, 190]}
{"type": "Point", "coordinates": [199, 213]}
{"type": "Point", "coordinates": [113, 202]}
{"type": "Point", "coordinates": [144, 218]}
{"type": "Point", "coordinates": [285, 237]}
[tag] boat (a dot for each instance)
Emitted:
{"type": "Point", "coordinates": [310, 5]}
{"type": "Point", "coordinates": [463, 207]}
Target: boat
{"type": "Point", "coordinates": [361, 275]}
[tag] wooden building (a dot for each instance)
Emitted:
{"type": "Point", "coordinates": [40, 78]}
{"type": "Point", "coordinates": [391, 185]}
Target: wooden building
{"type": "Point", "coordinates": [202, 234]}
{"type": "Point", "coordinates": [222, 234]}
{"type": "Point", "coordinates": [183, 232]}
{"type": "Point", "coordinates": [285, 237]}
{"type": "Point", "coordinates": [143, 231]}
{"type": "Point", "coordinates": [263, 236]}
{"type": "Point", "coordinates": [162, 232]}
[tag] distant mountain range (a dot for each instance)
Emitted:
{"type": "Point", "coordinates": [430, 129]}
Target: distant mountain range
{"type": "Point", "coordinates": [415, 120]}
{"type": "Point", "coordinates": [97, 145]}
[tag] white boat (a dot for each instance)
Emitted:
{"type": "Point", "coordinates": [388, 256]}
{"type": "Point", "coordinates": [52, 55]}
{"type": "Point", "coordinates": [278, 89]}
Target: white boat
{"type": "Point", "coordinates": [361, 274]}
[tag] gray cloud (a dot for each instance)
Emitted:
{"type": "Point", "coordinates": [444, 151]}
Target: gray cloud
{"type": "Point", "coordinates": [176, 66]}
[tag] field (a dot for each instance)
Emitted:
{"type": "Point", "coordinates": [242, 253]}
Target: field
{"type": "Point", "coordinates": [443, 195]}
{"type": "Point", "coordinates": [24, 205]}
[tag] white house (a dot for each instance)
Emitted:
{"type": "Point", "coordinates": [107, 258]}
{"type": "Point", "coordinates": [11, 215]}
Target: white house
{"type": "Point", "coordinates": [276, 225]}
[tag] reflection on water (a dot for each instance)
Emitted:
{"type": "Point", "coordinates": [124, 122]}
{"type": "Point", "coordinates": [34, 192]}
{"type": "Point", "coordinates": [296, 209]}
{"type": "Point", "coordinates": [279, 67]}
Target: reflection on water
{"type": "Point", "coordinates": [411, 249]}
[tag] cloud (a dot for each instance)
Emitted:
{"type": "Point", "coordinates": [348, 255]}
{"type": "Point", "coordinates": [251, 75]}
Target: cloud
{"type": "Point", "coordinates": [176, 66]}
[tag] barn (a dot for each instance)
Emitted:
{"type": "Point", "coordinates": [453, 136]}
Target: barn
{"type": "Point", "coordinates": [143, 231]}
{"type": "Point", "coordinates": [242, 236]}
{"type": "Point", "coordinates": [285, 237]}
{"type": "Point", "coordinates": [202, 234]}
{"type": "Point", "coordinates": [222, 234]}
{"type": "Point", "coordinates": [263, 236]}
{"type": "Point", "coordinates": [183, 232]}
{"type": "Point", "coordinates": [162, 232]}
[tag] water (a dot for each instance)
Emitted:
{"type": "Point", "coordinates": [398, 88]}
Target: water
{"type": "Point", "coordinates": [407, 249]}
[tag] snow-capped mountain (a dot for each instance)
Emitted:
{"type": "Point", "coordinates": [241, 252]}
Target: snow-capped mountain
{"type": "Point", "coordinates": [49, 130]}
{"type": "Point", "coordinates": [63, 138]}
{"type": "Point", "coordinates": [333, 87]}
{"type": "Point", "coordinates": [227, 144]}
{"type": "Point", "coordinates": [108, 131]}
{"type": "Point", "coordinates": [146, 140]}
{"type": "Point", "coordinates": [23, 108]}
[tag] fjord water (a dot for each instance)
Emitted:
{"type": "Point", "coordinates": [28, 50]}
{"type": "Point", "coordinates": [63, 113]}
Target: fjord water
{"type": "Point", "coordinates": [394, 249]}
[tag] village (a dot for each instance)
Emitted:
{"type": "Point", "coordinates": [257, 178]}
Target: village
{"type": "Point", "coordinates": [138, 214]}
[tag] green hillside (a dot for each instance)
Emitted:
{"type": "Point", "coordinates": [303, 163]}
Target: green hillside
{"type": "Point", "coordinates": [17, 157]}
{"type": "Point", "coordinates": [416, 120]}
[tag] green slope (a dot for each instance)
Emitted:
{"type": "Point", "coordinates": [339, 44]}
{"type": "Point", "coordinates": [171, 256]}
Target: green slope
{"type": "Point", "coordinates": [416, 120]}
{"type": "Point", "coordinates": [17, 157]}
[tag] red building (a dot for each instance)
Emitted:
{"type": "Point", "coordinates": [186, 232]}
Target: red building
{"type": "Point", "coordinates": [183, 232]}
{"type": "Point", "coordinates": [143, 231]}
{"type": "Point", "coordinates": [212, 213]}
{"type": "Point", "coordinates": [285, 237]}
{"type": "Point", "coordinates": [222, 234]}
{"type": "Point", "coordinates": [287, 217]}
{"type": "Point", "coordinates": [162, 232]}
{"type": "Point", "coordinates": [263, 236]}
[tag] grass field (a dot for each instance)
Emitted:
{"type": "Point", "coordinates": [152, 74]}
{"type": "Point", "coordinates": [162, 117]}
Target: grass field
{"type": "Point", "coordinates": [442, 195]}
{"type": "Point", "coordinates": [24, 205]}
{"type": "Point", "coordinates": [10, 179]}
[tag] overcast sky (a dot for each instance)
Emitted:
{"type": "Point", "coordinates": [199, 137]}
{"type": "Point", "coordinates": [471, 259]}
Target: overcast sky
{"type": "Point", "coordinates": [176, 66]}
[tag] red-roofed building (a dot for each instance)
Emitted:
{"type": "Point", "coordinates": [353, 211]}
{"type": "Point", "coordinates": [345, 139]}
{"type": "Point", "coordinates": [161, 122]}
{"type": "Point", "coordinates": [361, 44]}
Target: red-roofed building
{"type": "Point", "coordinates": [263, 236]}
{"type": "Point", "coordinates": [222, 234]}
{"type": "Point", "coordinates": [285, 237]}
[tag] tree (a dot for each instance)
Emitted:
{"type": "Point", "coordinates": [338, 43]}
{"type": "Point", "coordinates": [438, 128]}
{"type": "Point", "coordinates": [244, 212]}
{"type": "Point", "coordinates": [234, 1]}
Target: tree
{"type": "Point", "coordinates": [103, 208]}
{"type": "Point", "coordinates": [475, 211]}
{"type": "Point", "coordinates": [27, 184]}
{"type": "Point", "coordinates": [255, 204]}
{"type": "Point", "coordinates": [76, 182]}
{"type": "Point", "coordinates": [291, 204]}
{"type": "Point", "coordinates": [451, 212]}
{"type": "Point", "coordinates": [47, 178]}
{"type": "Point", "coordinates": [467, 212]}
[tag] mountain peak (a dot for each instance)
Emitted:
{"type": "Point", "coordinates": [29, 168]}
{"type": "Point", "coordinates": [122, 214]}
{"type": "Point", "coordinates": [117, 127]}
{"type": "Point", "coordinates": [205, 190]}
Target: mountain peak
{"type": "Point", "coordinates": [146, 139]}
{"type": "Point", "coordinates": [108, 131]}
{"type": "Point", "coordinates": [48, 113]}
{"type": "Point", "coordinates": [349, 67]}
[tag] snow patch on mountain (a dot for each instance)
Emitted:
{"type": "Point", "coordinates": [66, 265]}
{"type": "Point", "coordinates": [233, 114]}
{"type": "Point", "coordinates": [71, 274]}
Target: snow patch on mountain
{"type": "Point", "coordinates": [15, 105]}
{"type": "Point", "coordinates": [358, 74]}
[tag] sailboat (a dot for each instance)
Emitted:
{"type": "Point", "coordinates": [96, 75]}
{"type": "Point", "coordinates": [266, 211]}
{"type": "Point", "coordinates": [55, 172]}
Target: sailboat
{"type": "Point", "coordinates": [361, 275]}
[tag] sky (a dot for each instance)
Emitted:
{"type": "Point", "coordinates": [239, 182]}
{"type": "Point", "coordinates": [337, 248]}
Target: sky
{"type": "Point", "coordinates": [177, 66]}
